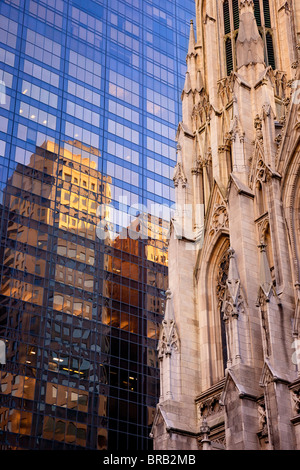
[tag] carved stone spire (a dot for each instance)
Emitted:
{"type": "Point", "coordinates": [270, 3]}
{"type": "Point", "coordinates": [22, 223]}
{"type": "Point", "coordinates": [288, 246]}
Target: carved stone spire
{"type": "Point", "coordinates": [192, 41]}
{"type": "Point", "coordinates": [168, 341]}
{"type": "Point", "coordinates": [233, 280]}
{"type": "Point", "coordinates": [249, 44]}
{"type": "Point", "coordinates": [265, 279]}
{"type": "Point", "coordinates": [179, 175]}
{"type": "Point", "coordinates": [168, 353]}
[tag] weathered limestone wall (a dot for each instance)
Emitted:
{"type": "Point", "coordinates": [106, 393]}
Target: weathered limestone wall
{"type": "Point", "coordinates": [228, 371]}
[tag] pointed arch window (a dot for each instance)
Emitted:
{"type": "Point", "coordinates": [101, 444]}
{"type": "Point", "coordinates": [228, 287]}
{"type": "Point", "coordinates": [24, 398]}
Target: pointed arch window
{"type": "Point", "coordinates": [231, 28]}
{"type": "Point", "coordinates": [257, 13]}
{"type": "Point", "coordinates": [231, 21]}
{"type": "Point", "coordinates": [260, 199]}
{"type": "Point", "coordinates": [236, 14]}
{"type": "Point", "coordinates": [270, 50]}
{"type": "Point", "coordinates": [226, 13]}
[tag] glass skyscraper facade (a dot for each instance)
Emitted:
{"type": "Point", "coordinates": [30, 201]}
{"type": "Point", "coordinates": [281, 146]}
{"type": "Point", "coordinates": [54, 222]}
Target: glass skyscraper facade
{"type": "Point", "coordinates": [89, 106]}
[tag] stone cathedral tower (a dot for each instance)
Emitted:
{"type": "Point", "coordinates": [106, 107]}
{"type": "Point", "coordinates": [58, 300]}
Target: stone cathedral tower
{"type": "Point", "coordinates": [229, 347]}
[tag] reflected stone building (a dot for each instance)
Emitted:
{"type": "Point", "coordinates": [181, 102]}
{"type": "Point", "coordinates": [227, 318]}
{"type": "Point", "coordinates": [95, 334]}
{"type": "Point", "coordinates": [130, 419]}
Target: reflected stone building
{"type": "Point", "coordinates": [229, 344]}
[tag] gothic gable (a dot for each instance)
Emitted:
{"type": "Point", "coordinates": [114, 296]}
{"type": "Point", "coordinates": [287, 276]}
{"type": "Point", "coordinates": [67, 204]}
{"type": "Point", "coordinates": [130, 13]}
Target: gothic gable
{"type": "Point", "coordinates": [269, 374]}
{"type": "Point", "coordinates": [183, 131]}
{"type": "Point", "coordinates": [216, 224]}
{"type": "Point", "coordinates": [160, 422]}
{"type": "Point", "coordinates": [237, 380]}
{"type": "Point", "coordinates": [217, 216]}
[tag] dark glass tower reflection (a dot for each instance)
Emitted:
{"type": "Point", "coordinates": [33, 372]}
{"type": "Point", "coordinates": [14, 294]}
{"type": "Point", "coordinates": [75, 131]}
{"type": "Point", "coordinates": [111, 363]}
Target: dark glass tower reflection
{"type": "Point", "coordinates": [89, 102]}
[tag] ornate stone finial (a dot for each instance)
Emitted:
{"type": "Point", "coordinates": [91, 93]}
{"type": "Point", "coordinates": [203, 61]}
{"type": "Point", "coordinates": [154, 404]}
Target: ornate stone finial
{"type": "Point", "coordinates": [246, 6]}
{"type": "Point", "coordinates": [249, 44]}
{"type": "Point", "coordinates": [205, 432]}
{"type": "Point", "coordinates": [168, 294]}
{"type": "Point", "coordinates": [204, 428]}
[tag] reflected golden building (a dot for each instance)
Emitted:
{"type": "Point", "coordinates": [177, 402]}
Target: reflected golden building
{"type": "Point", "coordinates": [49, 263]}
{"type": "Point", "coordinates": [80, 315]}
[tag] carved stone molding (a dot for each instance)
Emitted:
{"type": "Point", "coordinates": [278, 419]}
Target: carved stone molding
{"type": "Point", "coordinates": [262, 420]}
{"type": "Point", "coordinates": [262, 226]}
{"type": "Point", "coordinates": [210, 406]}
{"type": "Point", "coordinates": [263, 428]}
{"type": "Point", "coordinates": [246, 3]}
{"type": "Point", "coordinates": [261, 171]}
{"type": "Point", "coordinates": [202, 110]}
{"type": "Point", "coordinates": [223, 148]}
{"type": "Point", "coordinates": [278, 139]}
{"type": "Point", "coordinates": [266, 110]}
{"type": "Point", "coordinates": [225, 90]}
{"type": "Point", "coordinates": [258, 128]}
{"type": "Point", "coordinates": [219, 219]}
{"type": "Point", "coordinates": [198, 166]}
{"type": "Point", "coordinates": [221, 441]}
{"type": "Point", "coordinates": [168, 339]}
{"type": "Point", "coordinates": [295, 396]}
{"type": "Point", "coordinates": [208, 156]}
{"type": "Point", "coordinates": [280, 83]}
{"type": "Point", "coordinates": [269, 378]}
{"type": "Point", "coordinates": [210, 410]}
{"type": "Point", "coordinates": [236, 130]}
{"type": "Point", "coordinates": [296, 400]}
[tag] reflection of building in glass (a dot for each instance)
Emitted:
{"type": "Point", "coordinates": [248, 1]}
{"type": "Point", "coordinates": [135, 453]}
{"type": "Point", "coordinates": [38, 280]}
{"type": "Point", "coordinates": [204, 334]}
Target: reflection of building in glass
{"type": "Point", "coordinates": [52, 263]}
{"type": "Point", "coordinates": [78, 312]}
{"type": "Point", "coordinates": [89, 117]}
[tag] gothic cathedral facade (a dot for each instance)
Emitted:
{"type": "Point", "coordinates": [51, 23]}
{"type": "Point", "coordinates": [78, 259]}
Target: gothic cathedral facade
{"type": "Point", "coordinates": [229, 347]}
